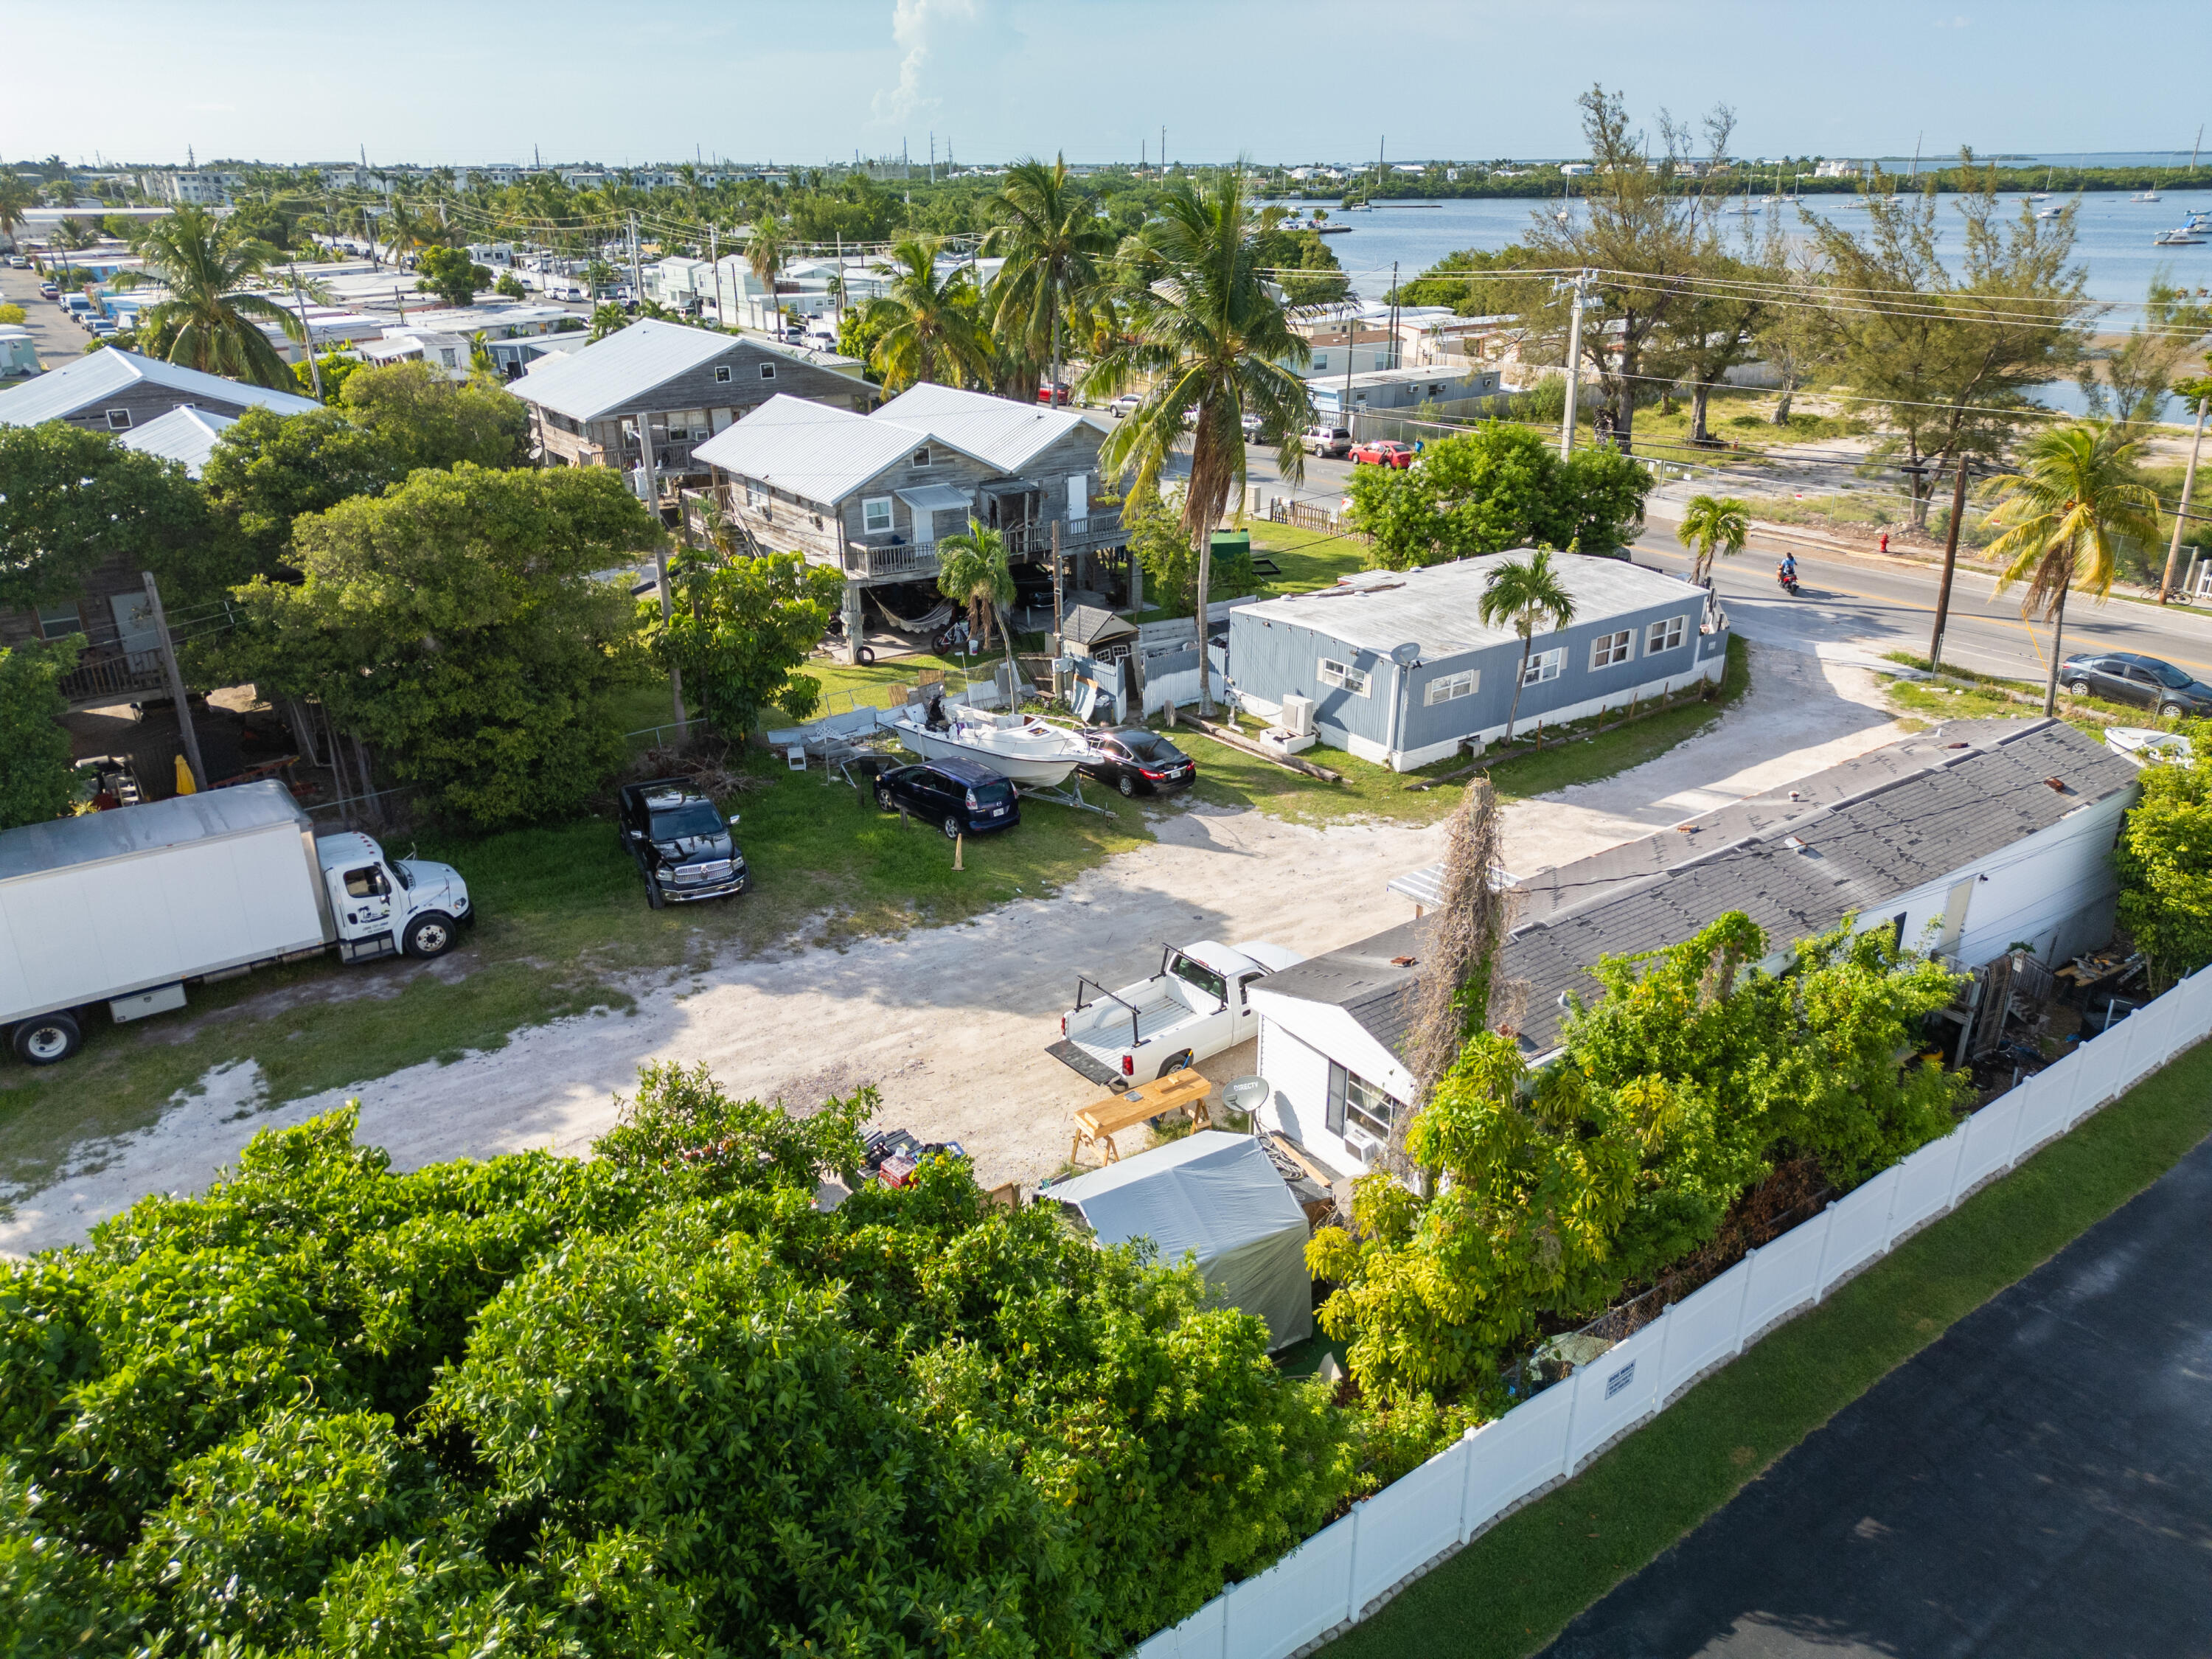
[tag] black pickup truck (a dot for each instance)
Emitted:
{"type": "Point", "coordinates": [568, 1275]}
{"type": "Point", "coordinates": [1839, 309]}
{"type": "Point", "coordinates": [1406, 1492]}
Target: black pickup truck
{"type": "Point", "coordinates": [682, 846]}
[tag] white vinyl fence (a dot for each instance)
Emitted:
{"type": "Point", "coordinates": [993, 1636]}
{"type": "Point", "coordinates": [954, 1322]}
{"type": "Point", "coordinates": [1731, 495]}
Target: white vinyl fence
{"type": "Point", "coordinates": [1347, 1571]}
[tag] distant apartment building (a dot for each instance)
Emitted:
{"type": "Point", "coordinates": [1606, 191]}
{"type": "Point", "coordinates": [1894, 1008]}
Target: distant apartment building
{"type": "Point", "coordinates": [187, 188]}
{"type": "Point", "coordinates": [1837, 169]}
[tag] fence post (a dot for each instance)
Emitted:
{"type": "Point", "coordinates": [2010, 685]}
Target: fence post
{"type": "Point", "coordinates": [1574, 1402]}
{"type": "Point", "coordinates": [1659, 1364]}
{"type": "Point", "coordinates": [1743, 1301]}
{"type": "Point", "coordinates": [1889, 1212]}
{"type": "Point", "coordinates": [1821, 1263]}
{"type": "Point", "coordinates": [1958, 1163]}
{"type": "Point", "coordinates": [1467, 1483]}
{"type": "Point", "coordinates": [1352, 1568]}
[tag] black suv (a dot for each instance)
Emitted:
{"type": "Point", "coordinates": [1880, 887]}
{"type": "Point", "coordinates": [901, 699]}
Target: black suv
{"type": "Point", "coordinates": [961, 796]}
{"type": "Point", "coordinates": [1138, 760]}
{"type": "Point", "coordinates": [2124, 677]}
{"type": "Point", "coordinates": [682, 848]}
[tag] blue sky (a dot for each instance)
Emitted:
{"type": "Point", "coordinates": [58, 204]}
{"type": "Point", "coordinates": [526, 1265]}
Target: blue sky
{"type": "Point", "coordinates": [1282, 79]}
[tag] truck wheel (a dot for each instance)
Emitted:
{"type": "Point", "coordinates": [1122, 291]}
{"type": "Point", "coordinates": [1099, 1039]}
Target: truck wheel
{"type": "Point", "coordinates": [1174, 1063]}
{"type": "Point", "coordinates": [652, 900]}
{"type": "Point", "coordinates": [430, 934]}
{"type": "Point", "coordinates": [47, 1040]}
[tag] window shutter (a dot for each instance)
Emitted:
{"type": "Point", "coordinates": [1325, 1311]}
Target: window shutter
{"type": "Point", "coordinates": [1337, 1078]}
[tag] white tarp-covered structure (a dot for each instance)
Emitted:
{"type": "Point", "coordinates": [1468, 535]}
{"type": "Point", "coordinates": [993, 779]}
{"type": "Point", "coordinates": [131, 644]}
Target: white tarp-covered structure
{"type": "Point", "coordinates": [1218, 1196]}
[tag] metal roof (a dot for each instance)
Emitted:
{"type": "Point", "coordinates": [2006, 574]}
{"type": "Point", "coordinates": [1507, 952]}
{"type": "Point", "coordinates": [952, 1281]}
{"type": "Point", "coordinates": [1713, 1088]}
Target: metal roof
{"type": "Point", "coordinates": [91, 837]}
{"type": "Point", "coordinates": [997, 431]}
{"type": "Point", "coordinates": [816, 452]}
{"type": "Point", "coordinates": [61, 392]}
{"type": "Point", "coordinates": [937, 498]}
{"type": "Point", "coordinates": [185, 434]}
{"type": "Point", "coordinates": [614, 376]}
{"type": "Point", "coordinates": [1437, 606]}
{"type": "Point", "coordinates": [1856, 837]}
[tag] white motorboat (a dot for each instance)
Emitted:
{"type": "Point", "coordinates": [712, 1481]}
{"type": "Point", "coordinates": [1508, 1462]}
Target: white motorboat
{"type": "Point", "coordinates": [2178, 237]}
{"type": "Point", "coordinates": [1022, 747]}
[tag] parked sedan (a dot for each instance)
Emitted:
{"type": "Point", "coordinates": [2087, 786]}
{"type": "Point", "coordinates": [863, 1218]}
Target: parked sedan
{"type": "Point", "coordinates": [960, 797]}
{"type": "Point", "coordinates": [2149, 682]}
{"type": "Point", "coordinates": [1383, 453]}
{"type": "Point", "coordinates": [1138, 760]}
{"type": "Point", "coordinates": [1127, 403]}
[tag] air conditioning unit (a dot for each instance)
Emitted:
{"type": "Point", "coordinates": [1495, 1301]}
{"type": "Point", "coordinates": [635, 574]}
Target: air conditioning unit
{"type": "Point", "coordinates": [1297, 718]}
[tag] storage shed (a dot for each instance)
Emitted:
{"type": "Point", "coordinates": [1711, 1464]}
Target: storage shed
{"type": "Point", "coordinates": [1403, 671]}
{"type": "Point", "coordinates": [1217, 1196]}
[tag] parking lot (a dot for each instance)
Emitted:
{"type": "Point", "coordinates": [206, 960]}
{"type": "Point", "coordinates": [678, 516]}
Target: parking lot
{"type": "Point", "coordinates": [2037, 1482]}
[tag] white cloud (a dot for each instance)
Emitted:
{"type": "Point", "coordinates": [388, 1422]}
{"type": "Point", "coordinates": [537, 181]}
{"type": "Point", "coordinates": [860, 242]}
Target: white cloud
{"type": "Point", "coordinates": [935, 37]}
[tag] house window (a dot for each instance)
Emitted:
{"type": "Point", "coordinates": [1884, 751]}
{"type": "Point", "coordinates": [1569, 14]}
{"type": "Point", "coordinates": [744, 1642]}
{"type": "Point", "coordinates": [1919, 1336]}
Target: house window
{"type": "Point", "coordinates": [756, 493]}
{"type": "Point", "coordinates": [446, 356]}
{"type": "Point", "coordinates": [1544, 666]}
{"type": "Point", "coordinates": [119, 420]}
{"type": "Point", "coordinates": [1354, 1100]}
{"type": "Point", "coordinates": [876, 516]}
{"type": "Point", "coordinates": [767, 371]}
{"type": "Point", "coordinates": [721, 374]}
{"type": "Point", "coordinates": [1352, 679]}
{"type": "Point", "coordinates": [1452, 686]}
{"type": "Point", "coordinates": [1319, 360]}
{"type": "Point", "coordinates": [58, 621]}
{"type": "Point", "coordinates": [921, 457]}
{"type": "Point", "coordinates": [1607, 649]}
{"type": "Point", "coordinates": [1664, 635]}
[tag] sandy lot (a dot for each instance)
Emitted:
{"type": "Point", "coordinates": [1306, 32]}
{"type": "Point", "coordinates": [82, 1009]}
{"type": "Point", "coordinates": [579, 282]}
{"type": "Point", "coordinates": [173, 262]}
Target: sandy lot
{"type": "Point", "coordinates": [951, 1023]}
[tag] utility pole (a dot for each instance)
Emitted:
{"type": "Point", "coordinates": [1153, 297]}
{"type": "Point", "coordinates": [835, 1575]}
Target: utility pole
{"type": "Point", "coordinates": [714, 264]}
{"type": "Point", "coordinates": [306, 335]}
{"type": "Point", "coordinates": [636, 286]}
{"type": "Point", "coordinates": [1351, 334]}
{"type": "Point", "coordinates": [1393, 313]}
{"type": "Point", "coordinates": [176, 676]}
{"type": "Point", "coordinates": [1960, 465]}
{"type": "Point", "coordinates": [1574, 369]}
{"type": "Point", "coordinates": [2181, 507]}
{"type": "Point", "coordinates": [1058, 602]}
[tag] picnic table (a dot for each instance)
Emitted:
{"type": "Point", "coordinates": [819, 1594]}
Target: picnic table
{"type": "Point", "coordinates": [1100, 1121]}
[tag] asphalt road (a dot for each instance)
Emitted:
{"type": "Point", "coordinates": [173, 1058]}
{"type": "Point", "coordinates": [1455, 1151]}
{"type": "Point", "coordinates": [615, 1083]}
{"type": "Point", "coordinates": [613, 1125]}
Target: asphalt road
{"type": "Point", "coordinates": [2037, 1482]}
{"type": "Point", "coordinates": [57, 338]}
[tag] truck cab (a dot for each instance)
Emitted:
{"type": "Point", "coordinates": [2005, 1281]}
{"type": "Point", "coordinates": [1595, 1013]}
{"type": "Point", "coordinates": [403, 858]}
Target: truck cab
{"type": "Point", "coordinates": [382, 906]}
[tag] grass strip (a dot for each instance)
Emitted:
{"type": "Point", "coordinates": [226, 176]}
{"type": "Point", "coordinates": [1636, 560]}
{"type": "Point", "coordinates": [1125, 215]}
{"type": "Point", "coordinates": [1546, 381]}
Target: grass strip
{"type": "Point", "coordinates": [1515, 1588]}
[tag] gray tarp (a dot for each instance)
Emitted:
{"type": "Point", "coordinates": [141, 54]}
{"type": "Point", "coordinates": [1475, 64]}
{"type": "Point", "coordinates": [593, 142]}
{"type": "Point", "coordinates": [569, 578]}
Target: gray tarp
{"type": "Point", "coordinates": [1218, 1195]}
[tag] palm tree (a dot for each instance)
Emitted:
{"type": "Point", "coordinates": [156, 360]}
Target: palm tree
{"type": "Point", "coordinates": [1052, 239]}
{"type": "Point", "coordinates": [972, 570]}
{"type": "Point", "coordinates": [931, 331]}
{"type": "Point", "coordinates": [1204, 325]}
{"type": "Point", "coordinates": [2075, 494]}
{"type": "Point", "coordinates": [1525, 592]}
{"type": "Point", "coordinates": [206, 323]}
{"type": "Point", "coordinates": [17, 199]}
{"type": "Point", "coordinates": [764, 252]}
{"type": "Point", "coordinates": [1712, 524]}
{"type": "Point", "coordinates": [405, 230]}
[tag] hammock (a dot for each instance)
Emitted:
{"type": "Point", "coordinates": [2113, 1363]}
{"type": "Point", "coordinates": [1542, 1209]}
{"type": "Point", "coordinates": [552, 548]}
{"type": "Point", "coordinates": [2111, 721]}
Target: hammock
{"type": "Point", "coordinates": [926, 623]}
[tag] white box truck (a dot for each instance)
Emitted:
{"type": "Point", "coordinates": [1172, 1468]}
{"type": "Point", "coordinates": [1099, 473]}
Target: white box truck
{"type": "Point", "coordinates": [127, 907]}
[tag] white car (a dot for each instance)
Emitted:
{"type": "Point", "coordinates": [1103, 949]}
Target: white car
{"type": "Point", "coordinates": [1127, 403]}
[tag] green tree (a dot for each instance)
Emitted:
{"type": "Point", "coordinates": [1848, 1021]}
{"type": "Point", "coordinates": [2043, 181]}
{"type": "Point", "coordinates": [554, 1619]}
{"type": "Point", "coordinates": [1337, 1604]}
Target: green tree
{"type": "Point", "coordinates": [1496, 487]}
{"type": "Point", "coordinates": [1052, 239]}
{"type": "Point", "coordinates": [1949, 358]}
{"type": "Point", "coordinates": [262, 221]}
{"type": "Point", "coordinates": [71, 500]}
{"type": "Point", "coordinates": [1525, 592]}
{"type": "Point", "coordinates": [17, 198]}
{"type": "Point", "coordinates": [335, 367]}
{"type": "Point", "coordinates": [2139, 372]}
{"type": "Point", "coordinates": [1713, 524]}
{"type": "Point", "coordinates": [454, 623]}
{"type": "Point", "coordinates": [2165, 862]}
{"type": "Point", "coordinates": [12, 314]}
{"type": "Point", "coordinates": [509, 286]}
{"type": "Point", "coordinates": [268, 471]}
{"type": "Point", "coordinates": [929, 329]}
{"type": "Point", "coordinates": [1206, 333]}
{"type": "Point", "coordinates": [36, 783]}
{"type": "Point", "coordinates": [739, 630]}
{"type": "Point", "coordinates": [206, 322]}
{"type": "Point", "coordinates": [429, 420]}
{"type": "Point", "coordinates": [858, 336]}
{"type": "Point", "coordinates": [2060, 517]}
{"type": "Point", "coordinates": [608, 318]}
{"type": "Point", "coordinates": [1292, 254]}
{"type": "Point", "coordinates": [1158, 543]}
{"type": "Point", "coordinates": [973, 573]}
{"type": "Point", "coordinates": [449, 273]}
{"type": "Point", "coordinates": [765, 251]}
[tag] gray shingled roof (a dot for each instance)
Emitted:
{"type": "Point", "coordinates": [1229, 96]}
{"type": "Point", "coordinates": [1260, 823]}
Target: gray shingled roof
{"type": "Point", "coordinates": [1865, 833]}
{"type": "Point", "coordinates": [1089, 625]}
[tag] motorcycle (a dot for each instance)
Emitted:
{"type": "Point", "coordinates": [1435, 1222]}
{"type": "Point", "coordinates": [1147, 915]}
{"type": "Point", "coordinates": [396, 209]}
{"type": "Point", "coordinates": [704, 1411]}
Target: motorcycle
{"type": "Point", "coordinates": [1787, 578]}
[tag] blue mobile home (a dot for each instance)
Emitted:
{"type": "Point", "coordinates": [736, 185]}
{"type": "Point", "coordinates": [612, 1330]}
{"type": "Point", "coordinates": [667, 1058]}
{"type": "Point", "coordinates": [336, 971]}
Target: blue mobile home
{"type": "Point", "coordinates": [1403, 671]}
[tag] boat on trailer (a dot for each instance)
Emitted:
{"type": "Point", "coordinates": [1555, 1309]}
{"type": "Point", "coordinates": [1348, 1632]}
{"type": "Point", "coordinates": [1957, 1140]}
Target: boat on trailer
{"type": "Point", "coordinates": [1029, 750]}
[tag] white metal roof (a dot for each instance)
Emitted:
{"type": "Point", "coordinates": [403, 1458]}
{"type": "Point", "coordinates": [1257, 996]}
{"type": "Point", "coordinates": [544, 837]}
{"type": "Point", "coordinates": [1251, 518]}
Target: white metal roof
{"type": "Point", "coordinates": [183, 435]}
{"type": "Point", "coordinates": [612, 377]}
{"type": "Point", "coordinates": [815, 452]}
{"type": "Point", "coordinates": [1437, 607]}
{"type": "Point", "coordinates": [996, 431]}
{"type": "Point", "coordinates": [62, 392]}
{"type": "Point", "coordinates": [936, 498]}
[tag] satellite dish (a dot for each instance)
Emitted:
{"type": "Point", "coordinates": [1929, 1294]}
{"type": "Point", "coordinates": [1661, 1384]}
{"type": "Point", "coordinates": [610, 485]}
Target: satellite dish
{"type": "Point", "coordinates": [1406, 655]}
{"type": "Point", "coordinates": [1245, 1094]}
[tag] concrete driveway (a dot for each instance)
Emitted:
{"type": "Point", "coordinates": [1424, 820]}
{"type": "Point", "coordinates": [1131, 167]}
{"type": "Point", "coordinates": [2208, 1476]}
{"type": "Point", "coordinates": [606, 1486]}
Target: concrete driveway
{"type": "Point", "coordinates": [2037, 1482]}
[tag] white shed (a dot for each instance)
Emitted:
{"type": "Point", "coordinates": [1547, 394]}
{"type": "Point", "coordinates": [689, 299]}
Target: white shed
{"type": "Point", "coordinates": [1217, 1196]}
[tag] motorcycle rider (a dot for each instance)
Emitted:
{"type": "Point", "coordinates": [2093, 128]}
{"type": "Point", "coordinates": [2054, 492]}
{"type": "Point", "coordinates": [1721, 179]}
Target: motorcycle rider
{"type": "Point", "coordinates": [1787, 572]}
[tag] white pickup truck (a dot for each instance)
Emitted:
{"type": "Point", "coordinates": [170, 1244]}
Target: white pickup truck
{"type": "Point", "coordinates": [1194, 1007]}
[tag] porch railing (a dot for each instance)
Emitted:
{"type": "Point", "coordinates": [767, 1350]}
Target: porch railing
{"type": "Point", "coordinates": [111, 676]}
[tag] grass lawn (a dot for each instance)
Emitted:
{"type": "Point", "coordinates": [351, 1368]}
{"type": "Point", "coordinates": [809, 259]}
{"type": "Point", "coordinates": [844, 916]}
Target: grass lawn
{"type": "Point", "coordinates": [1513, 1589]}
{"type": "Point", "coordinates": [1966, 694]}
{"type": "Point", "coordinates": [562, 926]}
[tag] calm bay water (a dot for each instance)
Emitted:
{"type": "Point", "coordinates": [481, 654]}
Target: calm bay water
{"type": "Point", "coordinates": [2112, 242]}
